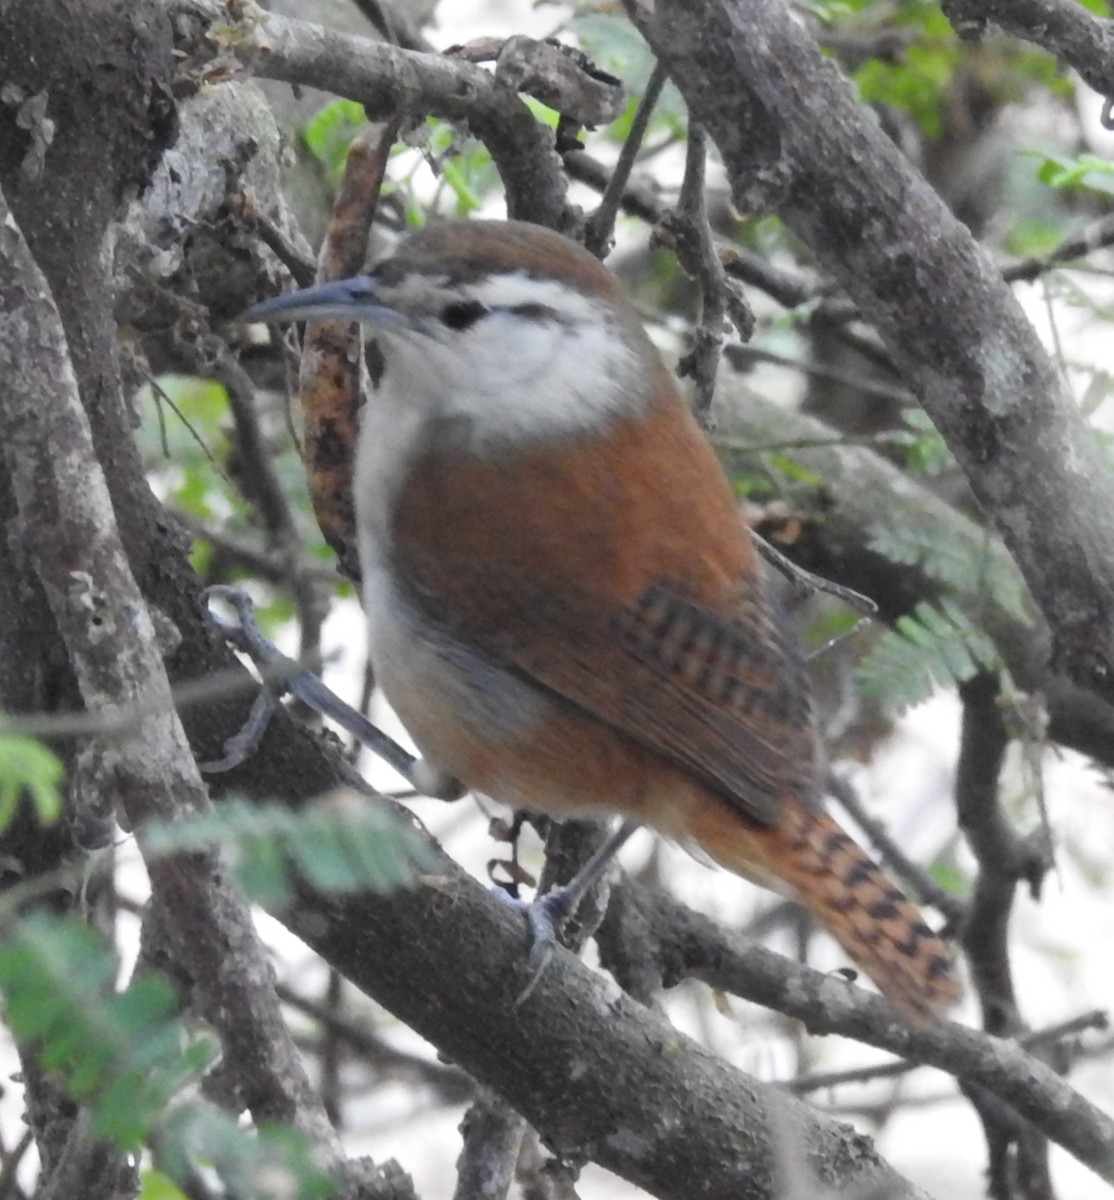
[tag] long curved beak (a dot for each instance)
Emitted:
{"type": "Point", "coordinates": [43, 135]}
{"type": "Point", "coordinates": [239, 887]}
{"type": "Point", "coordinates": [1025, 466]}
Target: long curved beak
{"type": "Point", "coordinates": [349, 299]}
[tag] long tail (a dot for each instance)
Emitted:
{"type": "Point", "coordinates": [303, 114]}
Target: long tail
{"type": "Point", "coordinates": [847, 892]}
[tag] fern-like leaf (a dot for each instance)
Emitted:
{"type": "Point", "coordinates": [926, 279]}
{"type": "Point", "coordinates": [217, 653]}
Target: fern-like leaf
{"type": "Point", "coordinates": [935, 645]}
{"type": "Point", "coordinates": [340, 843]}
{"type": "Point", "coordinates": [271, 1162]}
{"type": "Point", "coordinates": [975, 571]}
{"type": "Point", "coordinates": [124, 1054]}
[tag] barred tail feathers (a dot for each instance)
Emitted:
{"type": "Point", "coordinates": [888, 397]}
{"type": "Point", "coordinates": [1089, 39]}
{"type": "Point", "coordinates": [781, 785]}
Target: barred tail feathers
{"type": "Point", "coordinates": [847, 892]}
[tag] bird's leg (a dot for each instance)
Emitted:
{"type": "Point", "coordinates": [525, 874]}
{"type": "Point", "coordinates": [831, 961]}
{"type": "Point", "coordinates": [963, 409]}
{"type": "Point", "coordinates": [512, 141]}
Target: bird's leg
{"type": "Point", "coordinates": [547, 913]}
{"type": "Point", "coordinates": [282, 674]}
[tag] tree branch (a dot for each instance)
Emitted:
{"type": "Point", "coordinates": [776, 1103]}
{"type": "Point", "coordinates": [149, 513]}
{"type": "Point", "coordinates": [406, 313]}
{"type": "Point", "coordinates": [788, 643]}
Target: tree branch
{"type": "Point", "coordinates": [862, 493]}
{"type": "Point", "coordinates": [390, 83]}
{"type": "Point", "coordinates": [758, 83]}
{"type": "Point", "coordinates": [67, 521]}
{"type": "Point", "coordinates": [1070, 33]}
{"type": "Point", "coordinates": [599, 1076]}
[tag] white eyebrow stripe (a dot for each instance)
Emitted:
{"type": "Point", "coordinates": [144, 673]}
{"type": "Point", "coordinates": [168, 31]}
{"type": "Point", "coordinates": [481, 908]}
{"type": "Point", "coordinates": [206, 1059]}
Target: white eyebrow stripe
{"type": "Point", "coordinates": [519, 290]}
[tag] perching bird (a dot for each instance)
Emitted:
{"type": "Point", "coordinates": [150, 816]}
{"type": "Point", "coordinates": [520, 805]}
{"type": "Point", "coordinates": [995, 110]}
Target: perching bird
{"type": "Point", "coordinates": [565, 608]}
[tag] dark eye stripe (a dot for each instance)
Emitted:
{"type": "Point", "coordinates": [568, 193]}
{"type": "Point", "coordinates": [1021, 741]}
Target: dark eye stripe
{"type": "Point", "coordinates": [463, 314]}
{"type": "Point", "coordinates": [534, 312]}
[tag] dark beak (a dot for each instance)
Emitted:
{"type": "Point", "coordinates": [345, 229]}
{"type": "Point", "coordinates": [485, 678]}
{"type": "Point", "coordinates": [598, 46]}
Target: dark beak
{"type": "Point", "coordinates": [349, 299]}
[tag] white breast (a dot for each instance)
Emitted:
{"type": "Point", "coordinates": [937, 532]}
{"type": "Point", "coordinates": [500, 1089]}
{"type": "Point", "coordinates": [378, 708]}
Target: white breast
{"type": "Point", "coordinates": [433, 682]}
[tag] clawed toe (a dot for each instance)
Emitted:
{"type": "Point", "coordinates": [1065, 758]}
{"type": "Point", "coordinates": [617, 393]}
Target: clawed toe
{"type": "Point", "coordinates": [545, 915]}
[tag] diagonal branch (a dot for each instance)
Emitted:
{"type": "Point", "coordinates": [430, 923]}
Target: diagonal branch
{"type": "Point", "coordinates": [757, 82]}
{"type": "Point", "coordinates": [1064, 28]}
{"type": "Point", "coordinates": [390, 83]}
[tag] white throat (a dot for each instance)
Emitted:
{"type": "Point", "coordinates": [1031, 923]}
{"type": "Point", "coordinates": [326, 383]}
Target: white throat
{"type": "Point", "coordinates": [545, 361]}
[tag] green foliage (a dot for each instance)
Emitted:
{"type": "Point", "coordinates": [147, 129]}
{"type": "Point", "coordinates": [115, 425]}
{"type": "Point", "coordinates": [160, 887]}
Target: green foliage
{"type": "Point", "coordinates": [461, 164]}
{"type": "Point", "coordinates": [157, 1185]}
{"type": "Point", "coordinates": [185, 441]}
{"type": "Point", "coordinates": [27, 766]}
{"type": "Point", "coordinates": [468, 172]}
{"type": "Point", "coordinates": [337, 844]}
{"type": "Point", "coordinates": [832, 622]}
{"type": "Point", "coordinates": [123, 1054]}
{"type": "Point", "coordinates": [182, 438]}
{"type": "Point", "coordinates": [328, 134]}
{"type": "Point", "coordinates": [939, 644]}
{"type": "Point", "coordinates": [128, 1058]}
{"type": "Point", "coordinates": [272, 1162]}
{"type": "Point", "coordinates": [614, 44]}
{"type": "Point", "coordinates": [791, 468]}
{"type": "Point", "coordinates": [949, 876]}
{"type": "Point", "coordinates": [1077, 173]}
{"type": "Point", "coordinates": [917, 82]}
{"type": "Point", "coordinates": [542, 112]}
{"type": "Point", "coordinates": [1032, 237]}
{"type": "Point", "coordinates": [980, 572]}
{"type": "Point", "coordinates": [934, 645]}
{"type": "Point", "coordinates": [926, 452]}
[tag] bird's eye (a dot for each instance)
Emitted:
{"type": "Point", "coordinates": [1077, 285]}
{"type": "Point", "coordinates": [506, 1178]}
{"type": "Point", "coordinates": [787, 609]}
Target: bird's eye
{"type": "Point", "coordinates": [463, 314]}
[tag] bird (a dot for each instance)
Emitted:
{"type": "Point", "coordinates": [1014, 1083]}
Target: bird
{"type": "Point", "coordinates": [565, 607]}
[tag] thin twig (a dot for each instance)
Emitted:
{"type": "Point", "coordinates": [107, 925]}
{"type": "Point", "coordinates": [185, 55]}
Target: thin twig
{"type": "Point", "coordinates": [396, 26]}
{"type": "Point", "coordinates": [261, 486]}
{"type": "Point", "coordinates": [803, 1084]}
{"type": "Point", "coordinates": [252, 556]}
{"type": "Point", "coordinates": [687, 231]}
{"type": "Point", "coordinates": [450, 1083]}
{"type": "Point", "coordinates": [163, 397]}
{"type": "Point", "coordinates": [600, 226]}
{"type": "Point", "coordinates": [1096, 236]}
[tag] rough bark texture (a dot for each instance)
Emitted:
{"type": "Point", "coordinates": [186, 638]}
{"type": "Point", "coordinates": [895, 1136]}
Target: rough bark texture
{"type": "Point", "coordinates": [599, 1075]}
{"type": "Point", "coordinates": [796, 141]}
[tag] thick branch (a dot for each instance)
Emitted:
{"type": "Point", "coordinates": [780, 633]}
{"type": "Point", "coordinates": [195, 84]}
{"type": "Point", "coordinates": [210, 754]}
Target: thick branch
{"type": "Point", "coordinates": [598, 1075]}
{"type": "Point", "coordinates": [795, 140]}
{"type": "Point", "coordinates": [694, 946]}
{"type": "Point", "coordinates": [392, 83]}
{"type": "Point", "coordinates": [67, 522]}
{"type": "Point", "coordinates": [1064, 28]}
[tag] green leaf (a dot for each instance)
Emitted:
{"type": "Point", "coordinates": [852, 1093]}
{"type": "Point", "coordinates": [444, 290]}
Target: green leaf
{"type": "Point", "coordinates": [1083, 172]}
{"type": "Point", "coordinates": [128, 1059]}
{"type": "Point", "coordinates": [613, 43]}
{"type": "Point", "coordinates": [917, 84]}
{"type": "Point", "coordinates": [124, 1054]}
{"type": "Point", "coordinates": [935, 645]}
{"type": "Point", "coordinates": [926, 451]}
{"type": "Point", "coordinates": [27, 766]}
{"type": "Point", "coordinates": [542, 112]}
{"type": "Point", "coordinates": [978, 570]}
{"type": "Point", "coordinates": [1032, 237]}
{"type": "Point", "coordinates": [793, 469]}
{"type": "Point", "coordinates": [329, 133]}
{"type": "Point", "coordinates": [155, 1185]}
{"type": "Point", "coordinates": [268, 1163]}
{"type": "Point", "coordinates": [337, 844]}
